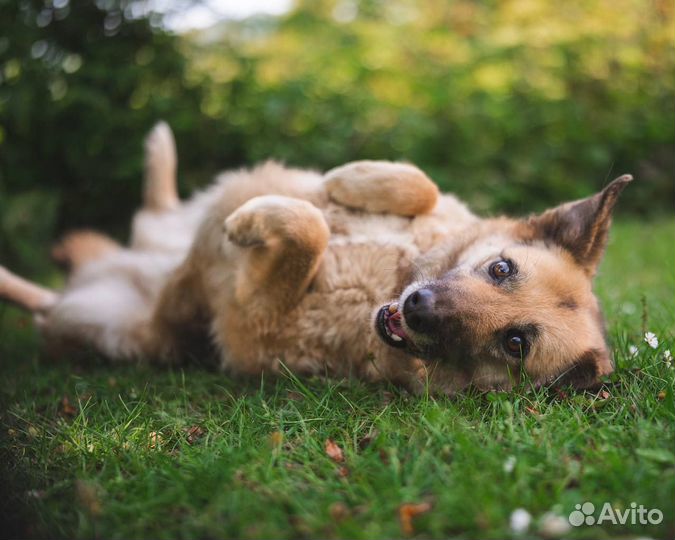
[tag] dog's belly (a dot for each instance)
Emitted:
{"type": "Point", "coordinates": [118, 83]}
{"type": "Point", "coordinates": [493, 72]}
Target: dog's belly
{"type": "Point", "coordinates": [332, 329]}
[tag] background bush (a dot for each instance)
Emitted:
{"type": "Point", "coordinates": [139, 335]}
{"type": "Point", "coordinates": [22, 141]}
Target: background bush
{"type": "Point", "coordinates": [514, 104]}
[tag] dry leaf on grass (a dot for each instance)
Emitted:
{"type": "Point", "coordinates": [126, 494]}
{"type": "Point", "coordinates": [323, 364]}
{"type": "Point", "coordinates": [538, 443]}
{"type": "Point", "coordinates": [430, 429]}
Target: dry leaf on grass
{"type": "Point", "coordinates": [343, 472]}
{"type": "Point", "coordinates": [333, 451]}
{"type": "Point", "coordinates": [193, 433]}
{"type": "Point", "coordinates": [406, 513]}
{"type": "Point", "coordinates": [661, 395]}
{"type": "Point", "coordinates": [365, 441]}
{"type": "Point", "coordinates": [66, 408]}
{"type": "Point", "coordinates": [156, 439]}
{"type": "Point", "coordinates": [338, 511]}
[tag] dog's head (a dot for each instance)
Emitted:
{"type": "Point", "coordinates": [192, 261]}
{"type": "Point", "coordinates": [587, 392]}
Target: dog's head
{"type": "Point", "coordinates": [516, 297]}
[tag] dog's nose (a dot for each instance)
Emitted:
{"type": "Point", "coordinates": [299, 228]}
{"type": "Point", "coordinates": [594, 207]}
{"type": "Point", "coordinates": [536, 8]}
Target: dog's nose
{"type": "Point", "coordinates": [418, 310]}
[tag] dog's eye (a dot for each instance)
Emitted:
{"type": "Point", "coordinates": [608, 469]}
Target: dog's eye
{"type": "Point", "coordinates": [516, 344]}
{"type": "Point", "coordinates": [501, 269]}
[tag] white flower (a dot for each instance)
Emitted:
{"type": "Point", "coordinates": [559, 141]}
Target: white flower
{"type": "Point", "coordinates": [632, 351]}
{"type": "Point", "coordinates": [668, 358]}
{"type": "Point", "coordinates": [520, 520]}
{"type": "Point", "coordinates": [551, 525]}
{"type": "Point", "coordinates": [651, 340]}
{"type": "Point", "coordinates": [509, 464]}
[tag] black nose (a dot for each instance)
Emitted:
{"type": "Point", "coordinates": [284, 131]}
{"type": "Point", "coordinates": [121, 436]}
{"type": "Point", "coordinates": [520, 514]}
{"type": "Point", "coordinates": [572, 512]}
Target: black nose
{"type": "Point", "coordinates": [418, 310]}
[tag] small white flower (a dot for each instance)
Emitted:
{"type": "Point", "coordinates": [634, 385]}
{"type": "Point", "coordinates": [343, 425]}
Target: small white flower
{"type": "Point", "coordinates": [651, 340]}
{"type": "Point", "coordinates": [520, 520]}
{"type": "Point", "coordinates": [551, 525]}
{"type": "Point", "coordinates": [632, 351]}
{"type": "Point", "coordinates": [668, 358]}
{"type": "Point", "coordinates": [509, 464]}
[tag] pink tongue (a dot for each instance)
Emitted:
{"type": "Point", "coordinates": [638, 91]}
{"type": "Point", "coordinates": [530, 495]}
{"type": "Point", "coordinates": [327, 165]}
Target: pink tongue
{"type": "Point", "coordinates": [395, 327]}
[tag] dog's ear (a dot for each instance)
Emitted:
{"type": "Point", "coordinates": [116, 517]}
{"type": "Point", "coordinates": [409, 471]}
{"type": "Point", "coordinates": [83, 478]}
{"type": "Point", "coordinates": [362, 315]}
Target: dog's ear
{"type": "Point", "coordinates": [586, 371]}
{"type": "Point", "coordinates": [581, 227]}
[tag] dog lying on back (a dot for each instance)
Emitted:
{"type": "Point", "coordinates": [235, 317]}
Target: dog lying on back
{"type": "Point", "coordinates": [365, 271]}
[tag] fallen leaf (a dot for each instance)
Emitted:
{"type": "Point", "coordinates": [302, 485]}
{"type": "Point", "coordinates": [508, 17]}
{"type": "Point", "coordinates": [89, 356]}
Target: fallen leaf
{"type": "Point", "coordinates": [294, 396]}
{"type": "Point", "coordinates": [532, 411]}
{"type": "Point", "coordinates": [333, 451]}
{"type": "Point", "coordinates": [406, 513]}
{"type": "Point", "coordinates": [193, 433]}
{"type": "Point", "coordinates": [365, 441]}
{"type": "Point", "coordinates": [661, 395]}
{"type": "Point", "coordinates": [338, 511]}
{"type": "Point", "coordinates": [66, 408]}
{"type": "Point", "coordinates": [155, 439]}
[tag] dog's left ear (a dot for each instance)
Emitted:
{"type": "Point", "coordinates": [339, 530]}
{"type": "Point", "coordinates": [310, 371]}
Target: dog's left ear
{"type": "Point", "coordinates": [581, 227]}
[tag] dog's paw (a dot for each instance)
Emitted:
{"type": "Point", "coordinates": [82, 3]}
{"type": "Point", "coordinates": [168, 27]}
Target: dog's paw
{"type": "Point", "coordinates": [263, 218]}
{"type": "Point", "coordinates": [382, 187]}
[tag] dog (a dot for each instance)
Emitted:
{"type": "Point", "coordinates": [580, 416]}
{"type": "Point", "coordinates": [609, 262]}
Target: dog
{"type": "Point", "coordinates": [365, 271]}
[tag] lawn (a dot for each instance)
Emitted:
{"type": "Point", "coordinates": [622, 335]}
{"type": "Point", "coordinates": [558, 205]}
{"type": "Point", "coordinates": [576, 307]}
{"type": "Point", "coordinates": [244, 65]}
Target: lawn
{"type": "Point", "coordinates": [93, 450]}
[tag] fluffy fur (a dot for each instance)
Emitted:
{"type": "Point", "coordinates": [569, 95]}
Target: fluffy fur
{"type": "Point", "coordinates": [365, 271]}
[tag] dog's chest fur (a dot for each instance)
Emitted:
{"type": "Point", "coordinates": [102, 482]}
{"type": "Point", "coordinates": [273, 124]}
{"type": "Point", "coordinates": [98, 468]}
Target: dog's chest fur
{"type": "Point", "coordinates": [368, 262]}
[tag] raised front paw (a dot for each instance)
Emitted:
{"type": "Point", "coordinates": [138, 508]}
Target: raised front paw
{"type": "Point", "coordinates": [382, 187]}
{"type": "Point", "coordinates": [261, 220]}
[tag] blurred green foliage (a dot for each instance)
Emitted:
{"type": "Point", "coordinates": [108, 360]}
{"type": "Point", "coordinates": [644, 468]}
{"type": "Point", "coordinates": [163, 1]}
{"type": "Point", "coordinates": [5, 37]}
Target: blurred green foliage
{"type": "Point", "coordinates": [512, 104]}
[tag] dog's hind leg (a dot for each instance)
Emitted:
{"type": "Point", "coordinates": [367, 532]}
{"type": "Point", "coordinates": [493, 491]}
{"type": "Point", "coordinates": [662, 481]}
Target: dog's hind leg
{"type": "Point", "coordinates": [78, 248]}
{"type": "Point", "coordinates": [162, 224]}
{"type": "Point", "coordinates": [25, 294]}
{"type": "Point", "coordinates": [160, 192]}
{"type": "Point", "coordinates": [382, 187]}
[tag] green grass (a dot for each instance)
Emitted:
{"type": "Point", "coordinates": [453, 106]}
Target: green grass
{"type": "Point", "coordinates": [119, 462]}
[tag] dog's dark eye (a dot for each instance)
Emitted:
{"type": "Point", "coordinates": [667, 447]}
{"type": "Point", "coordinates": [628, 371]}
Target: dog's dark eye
{"type": "Point", "coordinates": [516, 344]}
{"type": "Point", "coordinates": [501, 270]}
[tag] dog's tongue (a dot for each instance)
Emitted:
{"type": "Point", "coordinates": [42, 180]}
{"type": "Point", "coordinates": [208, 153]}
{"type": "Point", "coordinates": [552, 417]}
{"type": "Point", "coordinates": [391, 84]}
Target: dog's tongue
{"type": "Point", "coordinates": [394, 323]}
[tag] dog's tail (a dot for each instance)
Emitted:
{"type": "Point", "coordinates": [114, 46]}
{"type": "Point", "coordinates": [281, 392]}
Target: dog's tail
{"type": "Point", "coordinates": [77, 248]}
{"type": "Point", "coordinates": [160, 191]}
{"type": "Point", "coordinates": [25, 294]}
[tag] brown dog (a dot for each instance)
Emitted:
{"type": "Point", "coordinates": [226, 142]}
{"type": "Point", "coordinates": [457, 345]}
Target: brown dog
{"type": "Point", "coordinates": [363, 271]}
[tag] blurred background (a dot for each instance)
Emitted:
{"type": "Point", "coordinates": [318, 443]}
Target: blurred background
{"type": "Point", "coordinates": [512, 104]}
